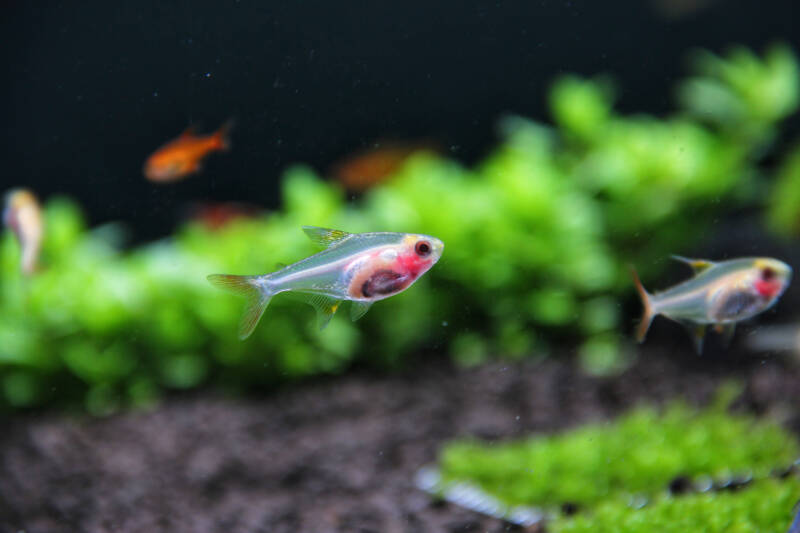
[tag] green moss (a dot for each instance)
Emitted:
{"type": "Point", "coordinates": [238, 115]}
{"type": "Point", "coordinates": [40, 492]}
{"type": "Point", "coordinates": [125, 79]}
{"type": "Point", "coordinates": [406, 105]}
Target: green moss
{"type": "Point", "coordinates": [538, 236]}
{"type": "Point", "coordinates": [766, 507]}
{"type": "Point", "coordinates": [636, 455]}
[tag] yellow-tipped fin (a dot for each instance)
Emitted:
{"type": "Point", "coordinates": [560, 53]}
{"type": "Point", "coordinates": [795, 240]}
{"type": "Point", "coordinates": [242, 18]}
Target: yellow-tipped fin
{"type": "Point", "coordinates": [698, 334]}
{"type": "Point", "coordinates": [649, 313]}
{"type": "Point", "coordinates": [698, 265]}
{"type": "Point", "coordinates": [257, 299]}
{"type": "Point", "coordinates": [325, 237]}
{"type": "Point", "coordinates": [326, 306]}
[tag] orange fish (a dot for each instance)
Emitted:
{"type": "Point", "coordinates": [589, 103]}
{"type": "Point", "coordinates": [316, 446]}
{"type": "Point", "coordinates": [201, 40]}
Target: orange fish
{"type": "Point", "coordinates": [183, 156]}
{"type": "Point", "coordinates": [374, 165]}
{"type": "Point", "coordinates": [215, 216]}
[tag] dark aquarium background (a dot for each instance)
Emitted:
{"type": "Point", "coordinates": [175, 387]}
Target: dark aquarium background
{"type": "Point", "coordinates": [93, 87]}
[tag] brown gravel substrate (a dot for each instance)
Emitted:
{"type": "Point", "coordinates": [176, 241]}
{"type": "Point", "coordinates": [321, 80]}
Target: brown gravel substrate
{"type": "Point", "coordinates": [336, 455]}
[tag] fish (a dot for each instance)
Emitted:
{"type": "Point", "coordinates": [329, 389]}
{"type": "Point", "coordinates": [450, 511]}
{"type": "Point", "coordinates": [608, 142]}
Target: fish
{"type": "Point", "coordinates": [719, 295]}
{"type": "Point", "coordinates": [375, 165]}
{"type": "Point", "coordinates": [23, 215]}
{"type": "Point", "coordinates": [361, 268]}
{"type": "Point", "coordinates": [183, 156]}
{"type": "Point", "coordinates": [216, 215]}
{"type": "Point", "coordinates": [680, 9]}
{"type": "Point", "coordinates": [795, 525]}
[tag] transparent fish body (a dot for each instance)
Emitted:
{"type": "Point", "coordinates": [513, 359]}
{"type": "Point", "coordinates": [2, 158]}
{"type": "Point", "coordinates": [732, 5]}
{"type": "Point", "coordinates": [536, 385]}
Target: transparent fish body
{"type": "Point", "coordinates": [720, 294]}
{"type": "Point", "coordinates": [358, 267]}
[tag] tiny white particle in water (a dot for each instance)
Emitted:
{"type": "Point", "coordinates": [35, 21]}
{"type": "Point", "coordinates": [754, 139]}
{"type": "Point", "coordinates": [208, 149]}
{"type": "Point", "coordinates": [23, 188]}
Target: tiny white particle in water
{"type": "Point", "coordinates": [208, 74]}
{"type": "Point", "coordinates": [444, 323]}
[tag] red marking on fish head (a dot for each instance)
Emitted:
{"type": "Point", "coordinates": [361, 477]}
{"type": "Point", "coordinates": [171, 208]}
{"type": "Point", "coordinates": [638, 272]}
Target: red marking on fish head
{"type": "Point", "coordinates": [413, 264]}
{"type": "Point", "coordinates": [768, 284]}
{"type": "Point", "coordinates": [768, 289]}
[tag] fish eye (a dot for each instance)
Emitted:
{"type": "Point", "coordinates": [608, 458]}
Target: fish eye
{"type": "Point", "coordinates": [767, 273]}
{"type": "Point", "coordinates": [422, 248]}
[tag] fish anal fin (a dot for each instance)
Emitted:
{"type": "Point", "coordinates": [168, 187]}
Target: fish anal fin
{"type": "Point", "coordinates": [698, 334]}
{"type": "Point", "coordinates": [726, 332]}
{"type": "Point", "coordinates": [325, 237]}
{"type": "Point", "coordinates": [698, 265]}
{"type": "Point", "coordinates": [358, 309]}
{"type": "Point", "coordinates": [326, 306]}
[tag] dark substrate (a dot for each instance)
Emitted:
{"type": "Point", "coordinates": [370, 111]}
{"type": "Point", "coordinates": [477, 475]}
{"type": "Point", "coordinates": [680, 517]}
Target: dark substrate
{"type": "Point", "coordinates": [335, 455]}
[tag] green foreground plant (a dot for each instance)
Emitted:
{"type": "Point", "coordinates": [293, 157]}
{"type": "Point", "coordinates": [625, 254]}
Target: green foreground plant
{"type": "Point", "coordinates": [605, 469]}
{"type": "Point", "coordinates": [635, 456]}
{"type": "Point", "coordinates": [766, 507]}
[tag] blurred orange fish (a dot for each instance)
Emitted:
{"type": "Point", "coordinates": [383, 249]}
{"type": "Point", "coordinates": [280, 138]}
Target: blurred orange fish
{"type": "Point", "coordinates": [215, 216]}
{"type": "Point", "coordinates": [23, 216]}
{"type": "Point", "coordinates": [184, 155]}
{"type": "Point", "coordinates": [374, 165]}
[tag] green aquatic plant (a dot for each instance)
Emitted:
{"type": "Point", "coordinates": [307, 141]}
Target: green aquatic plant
{"type": "Point", "coordinates": [635, 456]}
{"type": "Point", "coordinates": [537, 238]}
{"type": "Point", "coordinates": [767, 507]}
{"type": "Point", "coordinates": [784, 211]}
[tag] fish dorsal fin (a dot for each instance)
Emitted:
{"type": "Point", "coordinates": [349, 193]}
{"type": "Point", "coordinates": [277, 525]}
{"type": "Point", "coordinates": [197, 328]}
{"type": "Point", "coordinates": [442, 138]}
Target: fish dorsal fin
{"type": "Point", "coordinates": [325, 237]}
{"type": "Point", "coordinates": [326, 306]}
{"type": "Point", "coordinates": [698, 265]}
{"type": "Point", "coordinates": [358, 309]}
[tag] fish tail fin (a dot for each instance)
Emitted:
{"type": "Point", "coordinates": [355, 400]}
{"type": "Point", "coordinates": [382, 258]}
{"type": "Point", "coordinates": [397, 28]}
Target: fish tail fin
{"type": "Point", "coordinates": [257, 298]}
{"type": "Point", "coordinates": [222, 135]}
{"type": "Point", "coordinates": [647, 302]}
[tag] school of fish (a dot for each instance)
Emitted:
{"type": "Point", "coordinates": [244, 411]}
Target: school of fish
{"type": "Point", "coordinates": [362, 268]}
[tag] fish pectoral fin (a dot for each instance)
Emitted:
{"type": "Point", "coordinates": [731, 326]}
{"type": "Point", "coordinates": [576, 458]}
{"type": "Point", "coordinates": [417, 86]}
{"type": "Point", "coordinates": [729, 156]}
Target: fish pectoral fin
{"type": "Point", "coordinates": [325, 237]}
{"type": "Point", "coordinates": [358, 309]}
{"type": "Point", "coordinates": [726, 332]}
{"type": "Point", "coordinates": [326, 306]}
{"type": "Point", "coordinates": [698, 265]}
{"type": "Point", "coordinates": [698, 334]}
